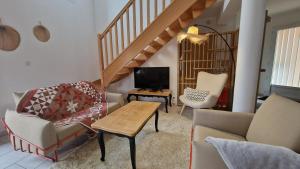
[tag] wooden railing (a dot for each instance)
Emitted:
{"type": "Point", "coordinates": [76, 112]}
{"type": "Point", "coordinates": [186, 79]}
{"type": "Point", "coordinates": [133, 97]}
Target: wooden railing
{"type": "Point", "coordinates": [132, 20]}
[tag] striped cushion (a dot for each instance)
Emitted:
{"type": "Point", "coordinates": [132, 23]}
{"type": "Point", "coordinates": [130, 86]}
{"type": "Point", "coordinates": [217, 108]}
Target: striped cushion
{"type": "Point", "coordinates": [195, 95]}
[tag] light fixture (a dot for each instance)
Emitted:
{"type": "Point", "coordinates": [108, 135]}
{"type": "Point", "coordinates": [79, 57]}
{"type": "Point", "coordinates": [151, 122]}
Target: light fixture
{"type": "Point", "coordinates": [193, 35]}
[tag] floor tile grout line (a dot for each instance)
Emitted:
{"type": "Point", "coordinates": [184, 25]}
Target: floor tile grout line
{"type": "Point", "coordinates": [20, 165]}
{"type": "Point", "coordinates": [14, 164]}
{"type": "Point", "coordinates": [42, 164]}
{"type": "Point", "coordinates": [19, 159]}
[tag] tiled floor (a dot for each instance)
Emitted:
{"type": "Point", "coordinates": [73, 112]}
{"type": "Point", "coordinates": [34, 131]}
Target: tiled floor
{"type": "Point", "coordinates": [10, 159]}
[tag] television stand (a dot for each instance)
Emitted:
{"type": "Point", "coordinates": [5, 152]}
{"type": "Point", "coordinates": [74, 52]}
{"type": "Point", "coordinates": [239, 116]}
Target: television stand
{"type": "Point", "coordinates": [156, 90]}
{"type": "Point", "coordinates": [165, 93]}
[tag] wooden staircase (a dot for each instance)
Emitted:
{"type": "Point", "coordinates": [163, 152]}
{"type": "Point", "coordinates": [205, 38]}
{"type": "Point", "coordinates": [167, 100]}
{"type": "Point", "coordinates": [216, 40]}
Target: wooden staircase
{"type": "Point", "coordinates": [123, 47]}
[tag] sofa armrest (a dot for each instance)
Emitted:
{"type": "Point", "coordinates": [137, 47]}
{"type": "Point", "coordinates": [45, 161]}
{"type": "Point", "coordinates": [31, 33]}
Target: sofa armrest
{"type": "Point", "coordinates": [233, 122]}
{"type": "Point", "coordinates": [115, 97]}
{"type": "Point", "coordinates": [32, 129]}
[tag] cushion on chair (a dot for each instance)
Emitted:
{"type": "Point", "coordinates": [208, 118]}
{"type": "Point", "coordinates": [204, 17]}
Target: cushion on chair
{"type": "Point", "coordinates": [195, 94]}
{"type": "Point", "coordinates": [210, 102]}
{"type": "Point", "coordinates": [277, 123]}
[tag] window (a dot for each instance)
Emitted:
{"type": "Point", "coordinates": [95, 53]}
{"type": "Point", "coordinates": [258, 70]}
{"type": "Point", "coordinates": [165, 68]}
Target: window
{"type": "Point", "coordinates": [286, 68]}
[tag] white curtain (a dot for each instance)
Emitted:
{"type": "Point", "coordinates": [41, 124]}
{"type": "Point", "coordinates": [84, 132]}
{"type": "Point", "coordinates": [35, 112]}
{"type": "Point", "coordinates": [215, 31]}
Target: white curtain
{"type": "Point", "coordinates": [286, 68]}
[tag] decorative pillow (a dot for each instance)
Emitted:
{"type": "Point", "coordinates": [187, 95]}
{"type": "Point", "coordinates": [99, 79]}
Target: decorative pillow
{"type": "Point", "coordinates": [195, 95]}
{"type": "Point", "coordinates": [64, 101]}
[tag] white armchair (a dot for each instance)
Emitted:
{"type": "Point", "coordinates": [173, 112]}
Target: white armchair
{"type": "Point", "coordinates": [213, 83]}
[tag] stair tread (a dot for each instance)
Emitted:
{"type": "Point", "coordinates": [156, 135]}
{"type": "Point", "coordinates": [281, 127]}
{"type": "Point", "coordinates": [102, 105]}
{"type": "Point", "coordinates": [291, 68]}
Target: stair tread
{"type": "Point", "coordinates": [124, 71]}
{"type": "Point", "coordinates": [141, 57]}
{"type": "Point", "coordinates": [198, 9]}
{"type": "Point", "coordinates": [150, 49]}
{"type": "Point", "coordinates": [160, 41]}
{"type": "Point", "coordinates": [133, 64]}
{"type": "Point", "coordinates": [171, 32]}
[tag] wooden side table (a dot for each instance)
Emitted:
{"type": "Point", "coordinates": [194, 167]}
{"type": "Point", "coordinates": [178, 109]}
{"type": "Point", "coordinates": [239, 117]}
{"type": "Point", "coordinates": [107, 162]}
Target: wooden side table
{"type": "Point", "coordinates": [166, 94]}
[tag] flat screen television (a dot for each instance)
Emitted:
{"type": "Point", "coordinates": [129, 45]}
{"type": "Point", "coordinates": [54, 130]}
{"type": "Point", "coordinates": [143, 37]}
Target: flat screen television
{"type": "Point", "coordinates": [154, 78]}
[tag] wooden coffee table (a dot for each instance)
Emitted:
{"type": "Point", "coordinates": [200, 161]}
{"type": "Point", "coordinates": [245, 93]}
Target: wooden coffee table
{"type": "Point", "coordinates": [126, 121]}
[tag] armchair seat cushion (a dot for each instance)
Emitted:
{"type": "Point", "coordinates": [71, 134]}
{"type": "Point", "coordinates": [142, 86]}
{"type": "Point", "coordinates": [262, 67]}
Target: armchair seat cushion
{"type": "Point", "coordinates": [201, 132]}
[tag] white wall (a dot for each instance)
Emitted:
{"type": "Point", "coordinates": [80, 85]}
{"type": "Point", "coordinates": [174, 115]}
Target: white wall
{"type": "Point", "coordinates": [70, 55]}
{"type": "Point", "coordinates": [278, 21]}
{"type": "Point", "coordinates": [106, 11]}
{"type": "Point", "coordinates": [166, 57]}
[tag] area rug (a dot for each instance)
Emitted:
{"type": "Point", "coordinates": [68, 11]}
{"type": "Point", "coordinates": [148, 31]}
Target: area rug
{"type": "Point", "coordinates": [167, 149]}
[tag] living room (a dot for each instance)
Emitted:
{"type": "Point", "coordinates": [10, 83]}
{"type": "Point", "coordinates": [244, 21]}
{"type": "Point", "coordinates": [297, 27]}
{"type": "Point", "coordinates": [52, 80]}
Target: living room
{"type": "Point", "coordinates": [149, 84]}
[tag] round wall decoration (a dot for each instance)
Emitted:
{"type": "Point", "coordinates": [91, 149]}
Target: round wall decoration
{"type": "Point", "coordinates": [41, 33]}
{"type": "Point", "coordinates": [9, 38]}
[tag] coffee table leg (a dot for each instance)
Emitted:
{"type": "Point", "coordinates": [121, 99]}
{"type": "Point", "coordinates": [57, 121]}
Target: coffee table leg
{"type": "Point", "coordinates": [101, 144]}
{"type": "Point", "coordinates": [128, 98]}
{"type": "Point", "coordinates": [170, 100]}
{"type": "Point", "coordinates": [166, 104]}
{"type": "Point", "coordinates": [132, 151]}
{"type": "Point", "coordinates": [156, 121]}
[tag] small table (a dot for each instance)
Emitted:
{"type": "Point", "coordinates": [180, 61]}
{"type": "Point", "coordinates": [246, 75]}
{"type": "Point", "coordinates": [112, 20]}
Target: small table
{"type": "Point", "coordinates": [166, 94]}
{"type": "Point", "coordinates": [126, 121]}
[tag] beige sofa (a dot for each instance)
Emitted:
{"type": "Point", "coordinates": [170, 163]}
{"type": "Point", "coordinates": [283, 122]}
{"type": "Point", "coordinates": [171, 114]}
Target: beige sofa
{"type": "Point", "coordinates": [35, 135]}
{"type": "Point", "coordinates": [276, 123]}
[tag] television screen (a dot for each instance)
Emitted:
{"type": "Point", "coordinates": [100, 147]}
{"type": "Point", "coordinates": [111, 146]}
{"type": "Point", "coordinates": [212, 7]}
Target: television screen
{"type": "Point", "coordinates": [155, 78]}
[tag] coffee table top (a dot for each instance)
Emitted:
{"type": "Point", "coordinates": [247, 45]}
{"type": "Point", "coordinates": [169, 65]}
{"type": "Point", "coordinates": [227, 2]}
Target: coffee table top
{"type": "Point", "coordinates": [129, 119]}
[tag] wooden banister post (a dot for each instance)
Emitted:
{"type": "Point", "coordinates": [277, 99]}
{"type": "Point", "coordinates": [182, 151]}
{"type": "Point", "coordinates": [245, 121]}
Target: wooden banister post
{"type": "Point", "coordinates": [134, 19]}
{"type": "Point", "coordinates": [141, 16]}
{"type": "Point", "coordinates": [148, 12]}
{"type": "Point", "coordinates": [100, 48]}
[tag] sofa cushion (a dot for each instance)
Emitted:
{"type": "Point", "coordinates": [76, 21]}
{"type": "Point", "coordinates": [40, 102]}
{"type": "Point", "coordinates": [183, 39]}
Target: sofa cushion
{"type": "Point", "coordinates": [17, 96]}
{"type": "Point", "coordinates": [201, 132]}
{"type": "Point", "coordinates": [112, 106]}
{"type": "Point", "coordinates": [277, 123]}
{"type": "Point", "coordinates": [64, 133]}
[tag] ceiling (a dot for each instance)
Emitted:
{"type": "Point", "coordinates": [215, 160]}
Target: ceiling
{"type": "Point", "coordinates": [279, 6]}
{"type": "Point", "coordinates": [273, 6]}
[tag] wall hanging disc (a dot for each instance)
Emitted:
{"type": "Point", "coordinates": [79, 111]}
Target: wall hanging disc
{"type": "Point", "coordinates": [9, 38]}
{"type": "Point", "coordinates": [41, 33]}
